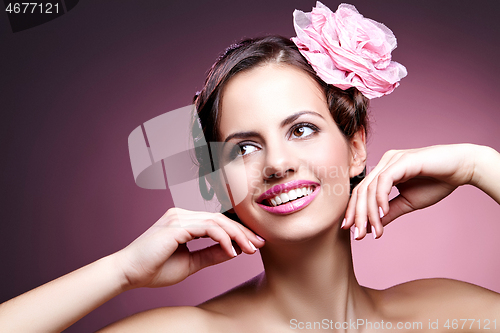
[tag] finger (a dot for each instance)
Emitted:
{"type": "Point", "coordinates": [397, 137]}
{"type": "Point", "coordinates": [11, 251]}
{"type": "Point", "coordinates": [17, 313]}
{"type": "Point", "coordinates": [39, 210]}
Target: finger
{"type": "Point", "coordinates": [229, 226]}
{"type": "Point", "coordinates": [384, 187]}
{"type": "Point", "coordinates": [233, 230]}
{"type": "Point", "coordinates": [350, 211]}
{"type": "Point", "coordinates": [209, 256]}
{"type": "Point", "coordinates": [389, 177]}
{"type": "Point", "coordinates": [361, 213]}
{"type": "Point", "coordinates": [237, 233]}
{"type": "Point", "coordinates": [373, 210]}
{"type": "Point", "coordinates": [388, 158]}
{"type": "Point", "coordinates": [211, 229]}
{"type": "Point", "coordinates": [397, 207]}
{"type": "Point", "coordinates": [385, 180]}
{"type": "Point", "coordinates": [253, 237]}
{"type": "Point", "coordinates": [403, 169]}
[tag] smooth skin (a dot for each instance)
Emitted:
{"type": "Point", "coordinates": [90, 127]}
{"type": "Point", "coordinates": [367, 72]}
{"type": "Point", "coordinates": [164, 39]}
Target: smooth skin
{"type": "Point", "coordinates": [308, 274]}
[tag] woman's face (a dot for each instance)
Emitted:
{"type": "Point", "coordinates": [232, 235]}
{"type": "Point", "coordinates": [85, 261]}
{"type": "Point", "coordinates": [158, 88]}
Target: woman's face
{"type": "Point", "coordinates": [283, 143]}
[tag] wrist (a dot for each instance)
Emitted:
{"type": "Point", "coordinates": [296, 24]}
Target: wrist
{"type": "Point", "coordinates": [481, 155]}
{"type": "Point", "coordinates": [486, 175]}
{"type": "Point", "coordinates": [121, 281]}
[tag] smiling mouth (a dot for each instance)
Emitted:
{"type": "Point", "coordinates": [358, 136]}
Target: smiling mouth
{"type": "Point", "coordinates": [289, 196]}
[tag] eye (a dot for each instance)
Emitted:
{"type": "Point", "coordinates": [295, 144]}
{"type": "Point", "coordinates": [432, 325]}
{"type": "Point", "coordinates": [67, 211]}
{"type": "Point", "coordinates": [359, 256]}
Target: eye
{"type": "Point", "coordinates": [303, 130]}
{"type": "Point", "coordinates": [246, 149]}
{"type": "Point", "coordinates": [242, 149]}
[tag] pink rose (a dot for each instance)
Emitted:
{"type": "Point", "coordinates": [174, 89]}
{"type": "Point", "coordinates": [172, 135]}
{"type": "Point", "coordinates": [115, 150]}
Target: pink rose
{"type": "Point", "coordinates": [347, 50]}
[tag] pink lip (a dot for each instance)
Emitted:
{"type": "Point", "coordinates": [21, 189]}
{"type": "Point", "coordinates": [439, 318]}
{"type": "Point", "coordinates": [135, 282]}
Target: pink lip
{"type": "Point", "coordinates": [290, 206]}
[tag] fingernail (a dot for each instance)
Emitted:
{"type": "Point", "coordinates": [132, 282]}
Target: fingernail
{"type": "Point", "coordinates": [343, 223]}
{"type": "Point", "coordinates": [380, 212]}
{"type": "Point", "coordinates": [260, 238]}
{"type": "Point", "coordinates": [252, 246]}
{"type": "Point", "coordinates": [374, 232]}
{"type": "Point", "coordinates": [356, 233]}
{"type": "Point", "coordinates": [234, 251]}
{"type": "Point", "coordinates": [366, 224]}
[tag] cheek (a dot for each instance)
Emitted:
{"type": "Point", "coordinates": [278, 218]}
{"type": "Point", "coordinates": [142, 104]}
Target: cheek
{"type": "Point", "coordinates": [244, 183]}
{"type": "Point", "coordinates": [242, 180]}
{"type": "Point", "coordinates": [329, 163]}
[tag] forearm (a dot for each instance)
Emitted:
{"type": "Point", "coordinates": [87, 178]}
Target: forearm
{"type": "Point", "coordinates": [58, 304]}
{"type": "Point", "coordinates": [487, 171]}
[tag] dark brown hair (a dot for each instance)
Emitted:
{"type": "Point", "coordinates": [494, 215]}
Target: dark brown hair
{"type": "Point", "coordinates": [347, 107]}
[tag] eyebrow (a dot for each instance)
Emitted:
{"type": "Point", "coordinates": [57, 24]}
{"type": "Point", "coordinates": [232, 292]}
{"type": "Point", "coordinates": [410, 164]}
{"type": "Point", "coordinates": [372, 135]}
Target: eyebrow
{"type": "Point", "coordinates": [288, 120]}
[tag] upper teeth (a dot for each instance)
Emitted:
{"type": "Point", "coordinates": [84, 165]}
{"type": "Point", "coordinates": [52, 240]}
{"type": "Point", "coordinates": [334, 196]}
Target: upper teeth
{"type": "Point", "coordinates": [290, 195]}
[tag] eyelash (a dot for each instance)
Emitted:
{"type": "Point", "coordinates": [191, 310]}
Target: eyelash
{"type": "Point", "coordinates": [236, 151]}
{"type": "Point", "coordinates": [314, 128]}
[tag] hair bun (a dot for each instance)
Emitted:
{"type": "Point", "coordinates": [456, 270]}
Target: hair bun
{"type": "Point", "coordinates": [349, 108]}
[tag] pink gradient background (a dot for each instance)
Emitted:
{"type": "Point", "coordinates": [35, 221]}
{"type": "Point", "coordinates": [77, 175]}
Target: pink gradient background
{"type": "Point", "coordinates": [73, 89]}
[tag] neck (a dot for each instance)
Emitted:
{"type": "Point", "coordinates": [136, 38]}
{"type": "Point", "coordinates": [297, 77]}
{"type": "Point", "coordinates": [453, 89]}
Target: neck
{"type": "Point", "coordinates": [314, 279]}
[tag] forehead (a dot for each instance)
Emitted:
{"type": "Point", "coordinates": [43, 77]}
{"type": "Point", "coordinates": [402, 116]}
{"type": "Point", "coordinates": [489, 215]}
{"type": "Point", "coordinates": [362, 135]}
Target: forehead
{"type": "Point", "coordinates": [265, 95]}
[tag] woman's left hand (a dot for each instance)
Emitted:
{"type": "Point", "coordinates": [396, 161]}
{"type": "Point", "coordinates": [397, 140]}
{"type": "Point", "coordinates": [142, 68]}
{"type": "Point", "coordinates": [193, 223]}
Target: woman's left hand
{"type": "Point", "coordinates": [423, 177]}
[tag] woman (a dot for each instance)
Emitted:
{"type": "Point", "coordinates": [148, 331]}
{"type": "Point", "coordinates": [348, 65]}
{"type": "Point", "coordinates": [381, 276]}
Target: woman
{"type": "Point", "coordinates": [279, 117]}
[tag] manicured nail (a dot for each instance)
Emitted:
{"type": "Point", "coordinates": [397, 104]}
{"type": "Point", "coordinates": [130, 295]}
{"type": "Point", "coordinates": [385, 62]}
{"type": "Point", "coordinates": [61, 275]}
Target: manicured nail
{"type": "Point", "coordinates": [380, 212]}
{"type": "Point", "coordinates": [356, 233]}
{"type": "Point", "coordinates": [366, 224]}
{"type": "Point", "coordinates": [234, 251]}
{"type": "Point", "coordinates": [374, 232]}
{"type": "Point", "coordinates": [252, 246]}
{"type": "Point", "coordinates": [343, 223]}
{"type": "Point", "coordinates": [260, 238]}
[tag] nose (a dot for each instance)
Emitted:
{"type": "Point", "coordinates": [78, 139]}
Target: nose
{"type": "Point", "coordinates": [280, 161]}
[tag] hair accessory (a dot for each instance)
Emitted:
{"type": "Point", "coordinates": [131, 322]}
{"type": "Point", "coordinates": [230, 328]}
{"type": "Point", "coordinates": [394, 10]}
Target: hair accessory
{"type": "Point", "coordinates": [348, 50]}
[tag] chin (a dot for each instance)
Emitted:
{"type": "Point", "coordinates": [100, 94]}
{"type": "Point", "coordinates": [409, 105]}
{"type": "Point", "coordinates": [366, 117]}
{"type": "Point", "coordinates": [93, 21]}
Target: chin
{"type": "Point", "coordinates": [300, 226]}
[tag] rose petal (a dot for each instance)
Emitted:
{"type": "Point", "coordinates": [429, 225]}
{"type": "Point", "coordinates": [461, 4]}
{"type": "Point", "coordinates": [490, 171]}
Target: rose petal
{"type": "Point", "coordinates": [347, 50]}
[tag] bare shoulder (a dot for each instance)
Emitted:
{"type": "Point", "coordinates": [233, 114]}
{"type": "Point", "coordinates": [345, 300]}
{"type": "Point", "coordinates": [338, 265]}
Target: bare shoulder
{"type": "Point", "coordinates": [176, 319]}
{"type": "Point", "coordinates": [210, 316]}
{"type": "Point", "coordinates": [453, 292]}
{"type": "Point", "coordinates": [443, 299]}
{"type": "Point", "coordinates": [215, 315]}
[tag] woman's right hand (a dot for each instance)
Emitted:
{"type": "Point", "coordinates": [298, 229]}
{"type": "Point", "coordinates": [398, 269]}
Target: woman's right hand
{"type": "Point", "coordinates": [160, 257]}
